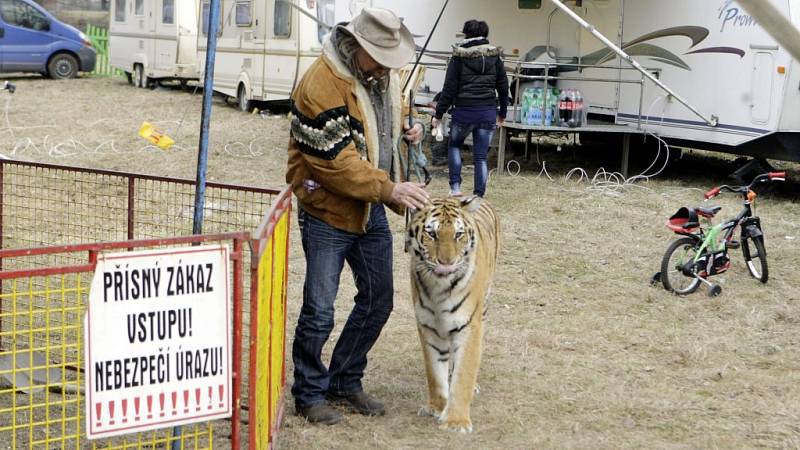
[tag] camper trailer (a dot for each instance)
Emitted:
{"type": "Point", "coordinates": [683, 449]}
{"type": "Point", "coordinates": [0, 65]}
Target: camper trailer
{"type": "Point", "coordinates": [153, 40]}
{"type": "Point", "coordinates": [722, 62]}
{"type": "Point", "coordinates": [710, 77]}
{"type": "Point", "coordinates": [264, 46]}
{"type": "Point", "coordinates": [726, 84]}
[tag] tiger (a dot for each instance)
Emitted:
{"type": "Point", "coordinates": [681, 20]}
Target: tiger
{"type": "Point", "coordinates": [454, 244]}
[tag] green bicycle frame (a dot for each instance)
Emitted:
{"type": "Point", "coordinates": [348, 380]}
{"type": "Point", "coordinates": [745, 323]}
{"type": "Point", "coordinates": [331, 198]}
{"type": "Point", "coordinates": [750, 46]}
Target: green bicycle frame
{"type": "Point", "coordinates": [711, 242]}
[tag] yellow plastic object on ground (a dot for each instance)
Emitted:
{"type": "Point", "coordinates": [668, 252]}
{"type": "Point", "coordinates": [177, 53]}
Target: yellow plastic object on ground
{"type": "Point", "coordinates": [149, 132]}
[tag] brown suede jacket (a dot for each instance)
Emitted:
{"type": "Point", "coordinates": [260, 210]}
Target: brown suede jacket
{"type": "Point", "coordinates": [334, 142]}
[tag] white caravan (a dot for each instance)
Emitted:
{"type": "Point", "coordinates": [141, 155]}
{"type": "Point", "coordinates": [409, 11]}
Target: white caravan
{"type": "Point", "coordinates": [264, 46]}
{"type": "Point", "coordinates": [154, 39]}
{"type": "Point", "coordinates": [718, 58]}
{"type": "Point", "coordinates": [740, 86]}
{"type": "Point", "coordinates": [710, 53]}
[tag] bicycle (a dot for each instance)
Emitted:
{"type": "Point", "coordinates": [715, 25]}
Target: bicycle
{"type": "Point", "coordinates": [702, 252]}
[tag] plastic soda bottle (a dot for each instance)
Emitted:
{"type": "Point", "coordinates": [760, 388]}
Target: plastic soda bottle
{"type": "Point", "coordinates": [572, 104]}
{"type": "Point", "coordinates": [563, 98]}
{"type": "Point", "coordinates": [579, 108]}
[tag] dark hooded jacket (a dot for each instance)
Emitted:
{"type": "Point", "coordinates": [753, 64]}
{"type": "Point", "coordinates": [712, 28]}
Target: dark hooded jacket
{"type": "Point", "coordinates": [474, 74]}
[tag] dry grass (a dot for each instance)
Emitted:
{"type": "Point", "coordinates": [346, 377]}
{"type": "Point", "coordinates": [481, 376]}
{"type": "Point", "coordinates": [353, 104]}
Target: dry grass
{"type": "Point", "coordinates": [580, 352]}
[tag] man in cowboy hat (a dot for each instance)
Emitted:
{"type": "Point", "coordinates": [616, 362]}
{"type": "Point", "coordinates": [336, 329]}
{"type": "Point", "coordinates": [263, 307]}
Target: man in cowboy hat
{"type": "Point", "coordinates": [344, 167]}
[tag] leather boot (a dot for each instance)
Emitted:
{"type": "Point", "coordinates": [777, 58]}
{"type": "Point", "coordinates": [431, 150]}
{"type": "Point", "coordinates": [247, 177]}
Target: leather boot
{"type": "Point", "coordinates": [320, 413]}
{"type": "Point", "coordinates": [359, 402]}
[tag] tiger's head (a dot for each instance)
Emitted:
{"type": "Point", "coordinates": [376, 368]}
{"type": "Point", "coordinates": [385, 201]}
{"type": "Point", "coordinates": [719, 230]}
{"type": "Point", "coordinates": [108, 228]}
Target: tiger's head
{"type": "Point", "coordinates": [441, 236]}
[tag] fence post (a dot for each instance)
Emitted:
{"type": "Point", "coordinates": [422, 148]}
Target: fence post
{"type": "Point", "coordinates": [238, 309]}
{"type": "Point", "coordinates": [252, 347]}
{"type": "Point", "coordinates": [2, 173]}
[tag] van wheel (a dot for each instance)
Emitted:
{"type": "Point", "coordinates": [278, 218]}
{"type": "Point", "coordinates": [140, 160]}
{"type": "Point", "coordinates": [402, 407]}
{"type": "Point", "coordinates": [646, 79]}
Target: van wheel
{"type": "Point", "coordinates": [62, 66]}
{"type": "Point", "coordinates": [242, 101]}
{"type": "Point", "coordinates": [139, 78]}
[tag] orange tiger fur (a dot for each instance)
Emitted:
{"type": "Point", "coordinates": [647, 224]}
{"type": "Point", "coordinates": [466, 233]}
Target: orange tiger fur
{"type": "Point", "coordinates": [454, 246]}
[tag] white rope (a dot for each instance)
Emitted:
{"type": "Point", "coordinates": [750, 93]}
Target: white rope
{"type": "Point", "coordinates": [508, 168]}
{"type": "Point", "coordinates": [579, 171]}
{"type": "Point", "coordinates": [604, 182]}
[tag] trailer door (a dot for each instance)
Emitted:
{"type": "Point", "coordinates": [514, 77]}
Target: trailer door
{"type": "Point", "coordinates": [602, 96]}
{"type": "Point", "coordinates": [186, 18]}
{"type": "Point", "coordinates": [166, 42]}
{"type": "Point", "coordinates": [281, 51]}
{"type": "Point", "coordinates": [762, 86]}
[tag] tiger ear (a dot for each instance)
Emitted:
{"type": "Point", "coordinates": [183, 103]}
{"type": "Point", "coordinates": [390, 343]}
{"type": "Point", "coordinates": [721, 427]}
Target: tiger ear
{"type": "Point", "coordinates": [472, 203]}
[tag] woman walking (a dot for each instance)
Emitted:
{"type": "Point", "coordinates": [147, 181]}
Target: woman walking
{"type": "Point", "coordinates": [474, 86]}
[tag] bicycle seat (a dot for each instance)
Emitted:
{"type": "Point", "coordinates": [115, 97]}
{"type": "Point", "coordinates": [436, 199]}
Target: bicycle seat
{"type": "Point", "coordinates": [708, 212]}
{"type": "Point", "coordinates": [684, 220]}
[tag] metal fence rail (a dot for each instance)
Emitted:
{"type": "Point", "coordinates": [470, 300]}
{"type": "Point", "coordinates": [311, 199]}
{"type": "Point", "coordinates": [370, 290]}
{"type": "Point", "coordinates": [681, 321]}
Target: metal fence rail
{"type": "Point", "coordinates": [41, 393]}
{"type": "Point", "coordinates": [44, 204]}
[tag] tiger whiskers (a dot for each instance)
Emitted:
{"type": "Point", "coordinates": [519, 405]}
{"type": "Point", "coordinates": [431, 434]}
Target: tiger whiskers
{"type": "Point", "coordinates": [442, 271]}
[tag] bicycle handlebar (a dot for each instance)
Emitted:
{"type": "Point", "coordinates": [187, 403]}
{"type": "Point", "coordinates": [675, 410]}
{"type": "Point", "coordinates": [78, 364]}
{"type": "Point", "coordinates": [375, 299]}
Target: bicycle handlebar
{"type": "Point", "coordinates": [712, 193]}
{"type": "Point", "coordinates": [771, 176]}
{"type": "Point", "coordinates": [777, 176]}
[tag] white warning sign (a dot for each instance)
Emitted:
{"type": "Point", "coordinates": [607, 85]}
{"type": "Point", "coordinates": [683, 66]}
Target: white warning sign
{"type": "Point", "coordinates": [158, 339]}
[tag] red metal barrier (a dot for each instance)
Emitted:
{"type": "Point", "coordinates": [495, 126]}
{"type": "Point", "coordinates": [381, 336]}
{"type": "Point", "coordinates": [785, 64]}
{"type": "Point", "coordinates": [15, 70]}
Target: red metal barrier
{"type": "Point", "coordinates": [39, 295]}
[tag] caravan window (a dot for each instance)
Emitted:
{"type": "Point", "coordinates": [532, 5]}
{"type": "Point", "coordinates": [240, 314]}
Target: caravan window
{"type": "Point", "coordinates": [530, 4]}
{"type": "Point", "coordinates": [21, 14]}
{"type": "Point", "coordinates": [326, 10]}
{"type": "Point", "coordinates": [205, 13]}
{"type": "Point", "coordinates": [283, 19]}
{"type": "Point", "coordinates": [244, 16]}
{"type": "Point", "coordinates": [138, 9]}
{"type": "Point", "coordinates": [168, 11]}
{"type": "Point", "coordinates": [119, 11]}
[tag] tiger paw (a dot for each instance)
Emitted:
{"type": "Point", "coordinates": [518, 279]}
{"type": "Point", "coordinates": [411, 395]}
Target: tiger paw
{"type": "Point", "coordinates": [460, 425]}
{"type": "Point", "coordinates": [429, 411]}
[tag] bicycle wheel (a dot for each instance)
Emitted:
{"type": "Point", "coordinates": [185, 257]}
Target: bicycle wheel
{"type": "Point", "coordinates": [755, 256]}
{"type": "Point", "coordinates": [677, 255]}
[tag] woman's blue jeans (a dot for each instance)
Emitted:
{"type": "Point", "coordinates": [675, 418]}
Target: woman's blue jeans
{"type": "Point", "coordinates": [481, 137]}
{"type": "Point", "coordinates": [370, 257]}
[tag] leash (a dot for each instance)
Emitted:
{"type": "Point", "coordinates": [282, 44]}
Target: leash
{"type": "Point", "coordinates": [415, 156]}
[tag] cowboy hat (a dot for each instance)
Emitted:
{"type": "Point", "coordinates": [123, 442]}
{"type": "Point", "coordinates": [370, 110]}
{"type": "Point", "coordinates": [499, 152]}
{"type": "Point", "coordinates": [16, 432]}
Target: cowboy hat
{"type": "Point", "coordinates": [383, 36]}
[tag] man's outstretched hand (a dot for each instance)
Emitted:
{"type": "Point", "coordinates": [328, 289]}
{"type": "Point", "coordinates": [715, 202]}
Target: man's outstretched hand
{"type": "Point", "coordinates": [410, 195]}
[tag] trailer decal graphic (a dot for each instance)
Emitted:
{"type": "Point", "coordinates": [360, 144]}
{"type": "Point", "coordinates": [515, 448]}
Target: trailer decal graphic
{"type": "Point", "coordinates": [640, 47]}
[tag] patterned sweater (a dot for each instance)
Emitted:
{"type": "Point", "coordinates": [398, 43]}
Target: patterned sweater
{"type": "Point", "coordinates": [334, 142]}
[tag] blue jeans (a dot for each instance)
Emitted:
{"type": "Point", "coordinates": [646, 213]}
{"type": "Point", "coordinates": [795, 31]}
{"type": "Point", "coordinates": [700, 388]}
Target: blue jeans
{"type": "Point", "coordinates": [481, 137]}
{"type": "Point", "coordinates": [370, 258]}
